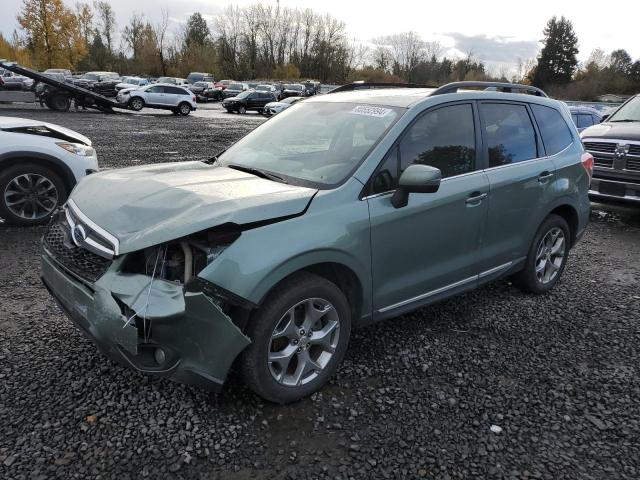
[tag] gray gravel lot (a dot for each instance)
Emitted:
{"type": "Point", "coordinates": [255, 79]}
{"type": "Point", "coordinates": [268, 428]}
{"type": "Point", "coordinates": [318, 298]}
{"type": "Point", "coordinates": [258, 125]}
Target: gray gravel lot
{"type": "Point", "coordinates": [417, 396]}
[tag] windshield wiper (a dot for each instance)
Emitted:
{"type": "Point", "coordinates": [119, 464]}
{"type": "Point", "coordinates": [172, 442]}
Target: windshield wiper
{"type": "Point", "coordinates": [258, 173]}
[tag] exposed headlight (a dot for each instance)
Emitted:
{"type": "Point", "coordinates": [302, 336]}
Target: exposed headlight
{"type": "Point", "coordinates": [77, 149]}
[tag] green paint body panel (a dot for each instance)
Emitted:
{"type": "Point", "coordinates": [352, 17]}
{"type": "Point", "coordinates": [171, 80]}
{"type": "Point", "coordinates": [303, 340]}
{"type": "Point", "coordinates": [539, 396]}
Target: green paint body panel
{"type": "Point", "coordinates": [438, 245]}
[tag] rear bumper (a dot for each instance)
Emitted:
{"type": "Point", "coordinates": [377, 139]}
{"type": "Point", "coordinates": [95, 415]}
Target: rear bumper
{"type": "Point", "coordinates": [185, 337]}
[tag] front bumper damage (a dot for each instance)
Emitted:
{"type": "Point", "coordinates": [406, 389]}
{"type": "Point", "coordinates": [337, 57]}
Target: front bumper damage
{"type": "Point", "coordinates": [154, 327]}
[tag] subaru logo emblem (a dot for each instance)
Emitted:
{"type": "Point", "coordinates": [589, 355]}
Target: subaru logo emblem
{"type": "Point", "coordinates": [78, 234]}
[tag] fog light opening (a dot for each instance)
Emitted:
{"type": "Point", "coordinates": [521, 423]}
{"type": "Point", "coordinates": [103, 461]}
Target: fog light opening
{"type": "Point", "coordinates": [159, 356]}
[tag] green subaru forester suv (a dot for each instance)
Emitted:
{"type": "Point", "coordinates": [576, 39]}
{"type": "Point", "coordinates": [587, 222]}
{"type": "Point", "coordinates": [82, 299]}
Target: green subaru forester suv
{"type": "Point", "coordinates": [345, 209]}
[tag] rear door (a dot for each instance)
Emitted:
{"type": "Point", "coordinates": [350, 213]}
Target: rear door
{"type": "Point", "coordinates": [520, 180]}
{"type": "Point", "coordinates": [429, 247]}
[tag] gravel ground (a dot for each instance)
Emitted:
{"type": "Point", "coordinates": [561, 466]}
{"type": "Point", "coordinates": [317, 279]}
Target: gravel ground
{"type": "Point", "coordinates": [492, 384]}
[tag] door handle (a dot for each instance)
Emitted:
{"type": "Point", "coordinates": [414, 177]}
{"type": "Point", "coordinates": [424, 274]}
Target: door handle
{"type": "Point", "coordinates": [544, 176]}
{"type": "Point", "coordinates": [475, 198]}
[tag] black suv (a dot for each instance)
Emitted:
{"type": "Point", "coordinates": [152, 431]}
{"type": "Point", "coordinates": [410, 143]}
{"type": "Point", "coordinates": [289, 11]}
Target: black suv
{"type": "Point", "coordinates": [249, 100]}
{"type": "Point", "coordinates": [615, 146]}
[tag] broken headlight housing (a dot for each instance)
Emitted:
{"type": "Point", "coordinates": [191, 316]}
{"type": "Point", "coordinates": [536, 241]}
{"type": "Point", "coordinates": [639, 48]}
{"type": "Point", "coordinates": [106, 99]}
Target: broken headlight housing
{"type": "Point", "coordinates": [180, 260]}
{"type": "Point", "coordinates": [77, 149]}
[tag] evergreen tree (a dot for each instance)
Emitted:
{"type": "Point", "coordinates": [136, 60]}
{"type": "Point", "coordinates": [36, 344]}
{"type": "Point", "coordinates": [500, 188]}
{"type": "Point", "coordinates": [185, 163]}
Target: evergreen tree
{"type": "Point", "coordinates": [197, 31]}
{"type": "Point", "coordinates": [557, 62]}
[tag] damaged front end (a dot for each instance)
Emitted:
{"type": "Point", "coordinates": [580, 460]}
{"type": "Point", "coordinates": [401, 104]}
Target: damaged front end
{"type": "Point", "coordinates": [148, 309]}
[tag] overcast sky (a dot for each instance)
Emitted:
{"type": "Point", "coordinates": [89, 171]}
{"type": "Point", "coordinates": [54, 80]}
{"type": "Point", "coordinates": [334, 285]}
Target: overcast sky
{"type": "Point", "coordinates": [498, 33]}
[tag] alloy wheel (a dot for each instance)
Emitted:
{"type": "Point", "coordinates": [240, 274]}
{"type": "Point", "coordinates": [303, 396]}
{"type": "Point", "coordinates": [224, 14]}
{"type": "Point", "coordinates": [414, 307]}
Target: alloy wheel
{"type": "Point", "coordinates": [31, 196]}
{"type": "Point", "coordinates": [550, 255]}
{"type": "Point", "coordinates": [303, 342]}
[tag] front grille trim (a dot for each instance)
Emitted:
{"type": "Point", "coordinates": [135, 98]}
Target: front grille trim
{"type": "Point", "coordinates": [79, 261]}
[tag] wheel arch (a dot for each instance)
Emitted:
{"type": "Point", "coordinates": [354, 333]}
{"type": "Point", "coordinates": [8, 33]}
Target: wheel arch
{"type": "Point", "coordinates": [43, 160]}
{"type": "Point", "coordinates": [570, 215]}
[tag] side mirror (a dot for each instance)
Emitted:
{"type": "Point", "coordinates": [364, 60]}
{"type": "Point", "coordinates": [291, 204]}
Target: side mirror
{"type": "Point", "coordinates": [604, 117]}
{"type": "Point", "coordinates": [416, 179]}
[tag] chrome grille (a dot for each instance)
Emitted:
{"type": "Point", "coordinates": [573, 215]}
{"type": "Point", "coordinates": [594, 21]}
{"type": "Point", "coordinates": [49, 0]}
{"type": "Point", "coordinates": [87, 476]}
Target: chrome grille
{"type": "Point", "coordinates": [79, 261]}
{"type": "Point", "coordinates": [634, 150]}
{"type": "Point", "coordinates": [604, 147]}
{"type": "Point", "coordinates": [602, 161]}
{"type": "Point", "coordinates": [633, 164]}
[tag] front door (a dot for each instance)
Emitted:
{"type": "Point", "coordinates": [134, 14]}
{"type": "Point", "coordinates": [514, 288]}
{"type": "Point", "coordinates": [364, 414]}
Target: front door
{"type": "Point", "coordinates": [429, 247]}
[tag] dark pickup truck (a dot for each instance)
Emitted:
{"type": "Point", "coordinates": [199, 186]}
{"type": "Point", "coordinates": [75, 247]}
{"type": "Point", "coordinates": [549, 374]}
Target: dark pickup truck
{"type": "Point", "coordinates": [615, 146]}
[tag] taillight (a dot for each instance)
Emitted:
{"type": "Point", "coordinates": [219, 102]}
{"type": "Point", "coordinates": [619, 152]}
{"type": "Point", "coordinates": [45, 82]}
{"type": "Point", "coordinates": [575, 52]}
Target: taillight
{"type": "Point", "coordinates": [587, 163]}
{"type": "Point", "coordinates": [194, 98]}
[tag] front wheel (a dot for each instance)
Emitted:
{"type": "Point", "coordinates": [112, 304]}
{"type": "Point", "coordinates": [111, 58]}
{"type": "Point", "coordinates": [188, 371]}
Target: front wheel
{"type": "Point", "coordinates": [29, 194]}
{"type": "Point", "coordinates": [136, 104]}
{"type": "Point", "coordinates": [547, 256]}
{"type": "Point", "coordinates": [299, 337]}
{"type": "Point", "coordinates": [242, 110]}
{"type": "Point", "coordinates": [184, 109]}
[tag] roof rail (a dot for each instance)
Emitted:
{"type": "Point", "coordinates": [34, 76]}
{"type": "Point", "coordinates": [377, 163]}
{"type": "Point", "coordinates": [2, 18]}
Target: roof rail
{"type": "Point", "coordinates": [505, 87]}
{"type": "Point", "coordinates": [361, 85]}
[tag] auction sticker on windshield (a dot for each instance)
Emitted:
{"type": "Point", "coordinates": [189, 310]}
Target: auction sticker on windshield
{"type": "Point", "coordinates": [370, 111]}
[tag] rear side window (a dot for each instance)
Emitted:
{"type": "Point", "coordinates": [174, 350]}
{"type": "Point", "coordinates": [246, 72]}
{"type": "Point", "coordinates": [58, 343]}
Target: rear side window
{"type": "Point", "coordinates": [508, 132]}
{"type": "Point", "coordinates": [555, 132]}
{"type": "Point", "coordinates": [442, 138]}
{"type": "Point", "coordinates": [175, 91]}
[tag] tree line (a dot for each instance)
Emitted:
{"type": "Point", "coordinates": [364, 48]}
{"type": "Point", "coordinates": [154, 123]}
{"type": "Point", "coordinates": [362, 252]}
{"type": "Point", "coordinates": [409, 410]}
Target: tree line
{"type": "Point", "coordinates": [273, 42]}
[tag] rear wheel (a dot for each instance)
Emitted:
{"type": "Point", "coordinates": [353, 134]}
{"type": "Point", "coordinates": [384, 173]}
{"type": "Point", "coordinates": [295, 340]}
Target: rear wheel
{"type": "Point", "coordinates": [242, 110]}
{"type": "Point", "coordinates": [59, 103]}
{"type": "Point", "coordinates": [184, 109]}
{"type": "Point", "coordinates": [29, 194]}
{"type": "Point", "coordinates": [299, 337]}
{"type": "Point", "coordinates": [136, 104]}
{"type": "Point", "coordinates": [547, 256]}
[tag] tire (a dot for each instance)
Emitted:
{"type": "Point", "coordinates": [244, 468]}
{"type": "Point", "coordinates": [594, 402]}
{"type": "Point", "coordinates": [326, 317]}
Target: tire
{"type": "Point", "coordinates": [46, 182]}
{"type": "Point", "coordinates": [59, 103]}
{"type": "Point", "coordinates": [302, 292]}
{"type": "Point", "coordinates": [184, 109]}
{"type": "Point", "coordinates": [242, 110]}
{"type": "Point", "coordinates": [543, 268]}
{"type": "Point", "coordinates": [136, 104]}
{"type": "Point", "coordinates": [229, 110]}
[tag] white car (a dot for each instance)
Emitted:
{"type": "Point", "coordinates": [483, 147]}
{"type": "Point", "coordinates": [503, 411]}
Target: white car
{"type": "Point", "coordinates": [131, 82]}
{"type": "Point", "coordinates": [40, 163]}
{"type": "Point", "coordinates": [157, 95]}
{"type": "Point", "coordinates": [274, 108]}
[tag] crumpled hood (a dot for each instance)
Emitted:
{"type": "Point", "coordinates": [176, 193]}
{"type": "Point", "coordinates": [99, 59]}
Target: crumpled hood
{"type": "Point", "coordinates": [146, 206]}
{"type": "Point", "coordinates": [615, 130]}
{"type": "Point", "coordinates": [13, 123]}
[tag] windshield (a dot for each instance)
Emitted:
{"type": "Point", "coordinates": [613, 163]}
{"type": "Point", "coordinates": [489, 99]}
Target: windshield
{"type": "Point", "coordinates": [629, 112]}
{"type": "Point", "coordinates": [244, 94]}
{"type": "Point", "coordinates": [166, 80]}
{"type": "Point", "coordinates": [235, 86]}
{"type": "Point", "coordinates": [200, 84]}
{"type": "Point", "coordinates": [313, 142]}
{"type": "Point", "coordinates": [91, 76]}
{"type": "Point", "coordinates": [293, 87]}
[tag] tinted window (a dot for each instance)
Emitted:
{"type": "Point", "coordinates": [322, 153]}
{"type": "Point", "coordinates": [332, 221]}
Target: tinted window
{"type": "Point", "coordinates": [386, 177]}
{"type": "Point", "coordinates": [443, 138]}
{"type": "Point", "coordinates": [175, 91]}
{"type": "Point", "coordinates": [554, 130]}
{"type": "Point", "coordinates": [584, 121]}
{"type": "Point", "coordinates": [508, 132]}
{"type": "Point", "coordinates": [155, 89]}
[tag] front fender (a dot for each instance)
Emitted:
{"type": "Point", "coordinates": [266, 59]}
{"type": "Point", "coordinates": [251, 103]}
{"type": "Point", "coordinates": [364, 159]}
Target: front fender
{"type": "Point", "coordinates": [335, 229]}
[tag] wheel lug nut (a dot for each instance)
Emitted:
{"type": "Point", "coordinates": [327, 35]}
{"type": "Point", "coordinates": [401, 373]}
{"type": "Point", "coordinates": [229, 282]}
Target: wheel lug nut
{"type": "Point", "coordinates": [294, 341]}
{"type": "Point", "coordinates": [309, 334]}
{"type": "Point", "coordinates": [299, 349]}
{"type": "Point", "coordinates": [302, 332]}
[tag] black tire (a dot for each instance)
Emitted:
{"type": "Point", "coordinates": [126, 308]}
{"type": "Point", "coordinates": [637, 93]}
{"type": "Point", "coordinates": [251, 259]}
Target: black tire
{"type": "Point", "coordinates": [59, 102]}
{"type": "Point", "coordinates": [136, 104]}
{"type": "Point", "coordinates": [184, 109]}
{"type": "Point", "coordinates": [527, 279]}
{"type": "Point", "coordinates": [6, 177]}
{"type": "Point", "coordinates": [242, 110]}
{"type": "Point", "coordinates": [254, 363]}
